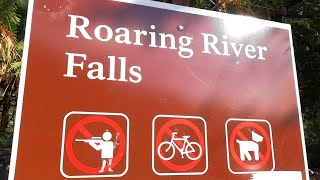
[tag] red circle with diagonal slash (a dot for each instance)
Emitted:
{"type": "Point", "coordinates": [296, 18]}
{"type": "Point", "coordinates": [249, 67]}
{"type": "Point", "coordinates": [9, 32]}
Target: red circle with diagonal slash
{"type": "Point", "coordinates": [165, 128]}
{"type": "Point", "coordinates": [80, 127]}
{"type": "Point", "coordinates": [264, 158]}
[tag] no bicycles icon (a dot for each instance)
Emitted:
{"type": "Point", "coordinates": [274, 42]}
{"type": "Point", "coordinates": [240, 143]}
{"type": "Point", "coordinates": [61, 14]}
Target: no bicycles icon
{"type": "Point", "coordinates": [186, 147]}
{"type": "Point", "coordinates": [249, 146]}
{"type": "Point", "coordinates": [179, 145]}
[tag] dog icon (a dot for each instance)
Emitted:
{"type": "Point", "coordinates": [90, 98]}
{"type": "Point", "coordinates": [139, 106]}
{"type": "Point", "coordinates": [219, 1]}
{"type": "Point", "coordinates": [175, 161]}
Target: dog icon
{"type": "Point", "coordinates": [250, 146]}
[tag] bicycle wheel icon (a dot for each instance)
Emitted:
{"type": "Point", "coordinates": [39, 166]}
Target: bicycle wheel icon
{"type": "Point", "coordinates": [167, 149]}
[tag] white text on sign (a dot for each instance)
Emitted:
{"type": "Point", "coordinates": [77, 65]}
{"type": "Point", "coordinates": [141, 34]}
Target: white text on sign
{"type": "Point", "coordinates": [222, 46]}
{"type": "Point", "coordinates": [96, 70]}
{"type": "Point", "coordinates": [217, 46]}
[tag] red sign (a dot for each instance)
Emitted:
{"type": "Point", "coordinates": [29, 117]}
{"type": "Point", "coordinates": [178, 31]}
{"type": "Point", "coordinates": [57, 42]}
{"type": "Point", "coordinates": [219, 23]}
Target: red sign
{"type": "Point", "coordinates": [180, 144]}
{"type": "Point", "coordinates": [249, 146]}
{"type": "Point", "coordinates": [85, 130]}
{"type": "Point", "coordinates": [178, 73]}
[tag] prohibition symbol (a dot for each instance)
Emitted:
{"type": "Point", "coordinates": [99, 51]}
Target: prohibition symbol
{"type": "Point", "coordinates": [180, 151]}
{"type": "Point", "coordinates": [250, 151]}
{"type": "Point", "coordinates": [80, 127]}
{"type": "Point", "coordinates": [80, 130]}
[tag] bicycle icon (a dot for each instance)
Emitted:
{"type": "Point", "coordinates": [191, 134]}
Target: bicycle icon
{"type": "Point", "coordinates": [188, 148]}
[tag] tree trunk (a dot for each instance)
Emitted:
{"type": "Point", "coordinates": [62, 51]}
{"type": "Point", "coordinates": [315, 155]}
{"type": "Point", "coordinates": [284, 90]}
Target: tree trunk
{"type": "Point", "coordinates": [5, 117]}
{"type": "Point", "coordinates": [5, 114]}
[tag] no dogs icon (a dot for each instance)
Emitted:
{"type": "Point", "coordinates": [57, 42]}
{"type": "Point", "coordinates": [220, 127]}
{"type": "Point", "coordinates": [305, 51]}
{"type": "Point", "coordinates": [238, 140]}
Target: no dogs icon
{"type": "Point", "coordinates": [249, 146]}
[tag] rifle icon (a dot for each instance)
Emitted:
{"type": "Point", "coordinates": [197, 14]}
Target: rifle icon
{"type": "Point", "coordinates": [106, 146]}
{"type": "Point", "coordinates": [93, 139]}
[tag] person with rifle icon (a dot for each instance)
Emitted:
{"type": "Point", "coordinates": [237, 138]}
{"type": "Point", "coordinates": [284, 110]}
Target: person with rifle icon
{"type": "Point", "coordinates": [106, 146]}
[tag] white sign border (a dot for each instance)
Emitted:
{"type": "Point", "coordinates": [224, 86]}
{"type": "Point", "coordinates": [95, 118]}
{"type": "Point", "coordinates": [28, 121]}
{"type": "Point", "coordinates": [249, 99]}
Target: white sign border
{"type": "Point", "coordinates": [155, 5]}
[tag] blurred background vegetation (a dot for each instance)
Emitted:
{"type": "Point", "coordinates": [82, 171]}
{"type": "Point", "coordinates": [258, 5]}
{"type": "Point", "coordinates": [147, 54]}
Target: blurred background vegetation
{"type": "Point", "coordinates": [303, 15]}
{"type": "Point", "coordinates": [12, 25]}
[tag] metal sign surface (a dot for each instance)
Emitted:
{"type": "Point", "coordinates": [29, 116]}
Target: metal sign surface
{"type": "Point", "coordinates": [142, 89]}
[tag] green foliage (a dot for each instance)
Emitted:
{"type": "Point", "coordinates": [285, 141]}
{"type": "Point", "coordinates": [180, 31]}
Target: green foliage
{"type": "Point", "coordinates": [22, 13]}
{"type": "Point", "coordinates": [8, 15]}
{"type": "Point", "coordinates": [202, 4]}
{"type": "Point", "coordinates": [15, 67]}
